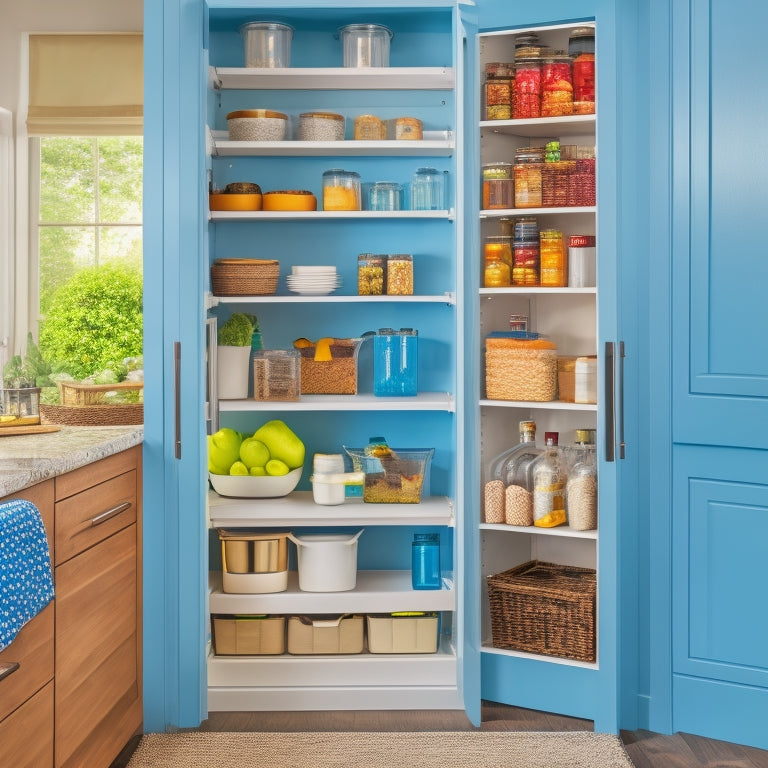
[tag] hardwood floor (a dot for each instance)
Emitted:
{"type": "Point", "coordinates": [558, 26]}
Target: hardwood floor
{"type": "Point", "coordinates": [645, 749]}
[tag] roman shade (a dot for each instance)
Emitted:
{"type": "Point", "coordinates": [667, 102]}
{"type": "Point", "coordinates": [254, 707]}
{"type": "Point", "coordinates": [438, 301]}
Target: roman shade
{"type": "Point", "coordinates": [86, 85]}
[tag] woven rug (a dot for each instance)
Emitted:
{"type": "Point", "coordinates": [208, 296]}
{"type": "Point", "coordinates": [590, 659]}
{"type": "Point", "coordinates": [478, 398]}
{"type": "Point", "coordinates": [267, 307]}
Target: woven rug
{"type": "Point", "coordinates": [432, 749]}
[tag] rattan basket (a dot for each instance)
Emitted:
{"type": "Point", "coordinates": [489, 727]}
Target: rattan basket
{"type": "Point", "coordinates": [244, 277]}
{"type": "Point", "coordinates": [544, 608]}
{"type": "Point", "coordinates": [520, 369]}
{"type": "Point", "coordinates": [93, 415]}
{"type": "Point", "coordinates": [76, 393]}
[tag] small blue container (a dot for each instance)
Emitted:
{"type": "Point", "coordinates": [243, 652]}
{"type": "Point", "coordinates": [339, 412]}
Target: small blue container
{"type": "Point", "coordinates": [425, 561]}
{"type": "Point", "coordinates": [395, 362]}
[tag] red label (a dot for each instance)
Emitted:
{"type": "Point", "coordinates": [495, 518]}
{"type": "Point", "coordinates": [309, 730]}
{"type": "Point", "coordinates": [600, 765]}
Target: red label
{"type": "Point", "coordinates": [581, 241]}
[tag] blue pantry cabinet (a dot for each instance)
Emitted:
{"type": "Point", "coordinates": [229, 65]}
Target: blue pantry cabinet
{"type": "Point", "coordinates": [681, 386]}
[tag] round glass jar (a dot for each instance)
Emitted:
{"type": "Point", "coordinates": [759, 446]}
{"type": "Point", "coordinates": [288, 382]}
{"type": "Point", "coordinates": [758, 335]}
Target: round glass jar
{"type": "Point", "coordinates": [556, 86]}
{"type": "Point", "coordinates": [498, 186]}
{"type": "Point", "coordinates": [499, 82]}
{"type": "Point", "coordinates": [341, 190]}
{"type": "Point", "coordinates": [527, 173]}
{"type": "Point", "coordinates": [384, 196]}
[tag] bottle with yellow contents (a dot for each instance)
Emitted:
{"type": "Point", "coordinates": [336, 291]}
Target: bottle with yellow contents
{"type": "Point", "coordinates": [549, 481]}
{"type": "Point", "coordinates": [341, 190]}
{"type": "Point", "coordinates": [498, 257]}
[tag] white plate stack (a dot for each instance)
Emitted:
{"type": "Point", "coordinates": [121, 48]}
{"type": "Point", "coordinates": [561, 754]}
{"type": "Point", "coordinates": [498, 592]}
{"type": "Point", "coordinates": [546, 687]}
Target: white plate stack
{"type": "Point", "coordinates": [313, 280]}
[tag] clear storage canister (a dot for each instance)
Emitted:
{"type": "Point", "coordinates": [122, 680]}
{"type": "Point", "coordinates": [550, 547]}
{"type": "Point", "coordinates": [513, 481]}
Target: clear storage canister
{"type": "Point", "coordinates": [499, 82]}
{"type": "Point", "coordinates": [527, 174]}
{"type": "Point", "coordinates": [341, 190]}
{"type": "Point", "coordinates": [556, 86]}
{"type": "Point", "coordinates": [527, 91]}
{"type": "Point", "coordinates": [498, 262]}
{"type": "Point", "coordinates": [498, 186]}
{"type": "Point", "coordinates": [384, 196]}
{"type": "Point", "coordinates": [370, 274]}
{"type": "Point", "coordinates": [428, 190]}
{"type": "Point", "coordinates": [553, 262]}
{"type": "Point", "coordinates": [365, 45]}
{"type": "Point", "coordinates": [395, 362]}
{"type": "Point", "coordinates": [581, 46]}
{"type": "Point", "coordinates": [400, 274]}
{"type": "Point", "coordinates": [267, 44]}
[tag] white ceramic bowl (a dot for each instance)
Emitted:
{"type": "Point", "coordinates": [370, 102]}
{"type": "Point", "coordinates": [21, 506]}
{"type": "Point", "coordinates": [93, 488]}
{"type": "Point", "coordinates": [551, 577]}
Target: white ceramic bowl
{"type": "Point", "coordinates": [256, 487]}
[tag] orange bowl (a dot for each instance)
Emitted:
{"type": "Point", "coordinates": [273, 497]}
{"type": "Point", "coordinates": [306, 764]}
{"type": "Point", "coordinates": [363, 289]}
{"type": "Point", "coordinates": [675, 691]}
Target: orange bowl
{"type": "Point", "coordinates": [234, 202]}
{"type": "Point", "coordinates": [290, 200]}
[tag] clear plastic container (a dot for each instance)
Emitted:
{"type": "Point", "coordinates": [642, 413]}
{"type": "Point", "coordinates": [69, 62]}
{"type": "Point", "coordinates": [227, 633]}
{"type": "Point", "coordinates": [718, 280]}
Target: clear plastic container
{"type": "Point", "coordinates": [400, 274]}
{"type": "Point", "coordinates": [527, 172]}
{"type": "Point", "coordinates": [498, 186]}
{"type": "Point", "coordinates": [384, 196]}
{"type": "Point", "coordinates": [549, 481]}
{"type": "Point", "coordinates": [428, 190]}
{"type": "Point", "coordinates": [341, 190]}
{"type": "Point", "coordinates": [395, 362]}
{"type": "Point", "coordinates": [267, 44]}
{"type": "Point", "coordinates": [425, 561]}
{"type": "Point", "coordinates": [553, 259]}
{"type": "Point", "coordinates": [365, 45]}
{"type": "Point", "coordinates": [581, 492]}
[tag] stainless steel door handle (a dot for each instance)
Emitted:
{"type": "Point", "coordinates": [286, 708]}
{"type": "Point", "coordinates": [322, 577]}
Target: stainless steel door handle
{"type": "Point", "coordinates": [610, 401]}
{"type": "Point", "coordinates": [177, 398]}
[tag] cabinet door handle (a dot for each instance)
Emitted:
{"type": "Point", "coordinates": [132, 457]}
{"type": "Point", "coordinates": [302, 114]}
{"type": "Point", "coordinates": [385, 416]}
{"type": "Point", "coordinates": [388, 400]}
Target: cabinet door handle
{"type": "Point", "coordinates": [8, 668]}
{"type": "Point", "coordinates": [610, 401]}
{"type": "Point", "coordinates": [110, 513]}
{"type": "Point", "coordinates": [177, 398]}
{"type": "Point", "coordinates": [622, 444]}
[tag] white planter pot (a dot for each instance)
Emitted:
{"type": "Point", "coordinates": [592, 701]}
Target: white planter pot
{"type": "Point", "coordinates": [232, 372]}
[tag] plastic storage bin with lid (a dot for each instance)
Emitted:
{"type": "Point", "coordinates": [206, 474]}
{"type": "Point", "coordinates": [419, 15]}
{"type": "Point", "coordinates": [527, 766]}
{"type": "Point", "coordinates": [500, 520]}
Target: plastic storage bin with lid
{"type": "Point", "coordinates": [365, 45]}
{"type": "Point", "coordinates": [267, 44]}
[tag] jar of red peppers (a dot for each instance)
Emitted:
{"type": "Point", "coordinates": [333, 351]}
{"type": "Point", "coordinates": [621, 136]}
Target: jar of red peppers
{"type": "Point", "coordinates": [527, 91]}
{"type": "Point", "coordinates": [556, 85]}
{"type": "Point", "coordinates": [527, 173]}
{"type": "Point", "coordinates": [498, 186]}
{"type": "Point", "coordinates": [499, 79]}
{"type": "Point", "coordinates": [553, 259]}
{"type": "Point", "coordinates": [581, 47]}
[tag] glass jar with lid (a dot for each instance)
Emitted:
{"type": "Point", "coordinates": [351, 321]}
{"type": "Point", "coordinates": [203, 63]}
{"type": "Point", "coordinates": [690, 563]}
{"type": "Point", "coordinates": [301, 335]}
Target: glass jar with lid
{"type": "Point", "coordinates": [553, 261]}
{"type": "Point", "coordinates": [581, 46]}
{"type": "Point", "coordinates": [498, 186]}
{"type": "Point", "coordinates": [556, 85]}
{"type": "Point", "coordinates": [581, 486]}
{"type": "Point", "coordinates": [527, 177]}
{"type": "Point", "coordinates": [370, 274]}
{"type": "Point", "coordinates": [549, 482]}
{"type": "Point", "coordinates": [400, 274]}
{"type": "Point", "coordinates": [497, 272]}
{"type": "Point", "coordinates": [526, 102]}
{"type": "Point", "coordinates": [428, 190]}
{"type": "Point", "coordinates": [341, 190]}
{"type": "Point", "coordinates": [499, 80]}
{"type": "Point", "coordinates": [384, 196]}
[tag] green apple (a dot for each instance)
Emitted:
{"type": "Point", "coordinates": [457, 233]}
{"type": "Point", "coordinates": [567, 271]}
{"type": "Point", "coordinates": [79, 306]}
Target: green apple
{"type": "Point", "coordinates": [238, 468]}
{"type": "Point", "coordinates": [253, 453]}
{"type": "Point", "coordinates": [277, 467]}
{"type": "Point", "coordinates": [282, 442]}
{"type": "Point", "coordinates": [223, 450]}
{"type": "Point", "coordinates": [258, 471]}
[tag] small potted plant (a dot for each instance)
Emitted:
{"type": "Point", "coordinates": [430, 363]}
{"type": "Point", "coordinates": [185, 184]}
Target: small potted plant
{"type": "Point", "coordinates": [233, 356]}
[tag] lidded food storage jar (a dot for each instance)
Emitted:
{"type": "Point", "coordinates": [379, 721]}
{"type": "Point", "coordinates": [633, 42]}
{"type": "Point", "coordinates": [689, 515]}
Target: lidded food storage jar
{"type": "Point", "coordinates": [527, 173]}
{"type": "Point", "coordinates": [341, 190]}
{"type": "Point", "coordinates": [499, 82]}
{"type": "Point", "coordinates": [370, 274]}
{"type": "Point", "coordinates": [498, 186]}
{"type": "Point", "coordinates": [428, 190]}
{"type": "Point", "coordinates": [525, 251]}
{"type": "Point", "coordinates": [321, 126]}
{"type": "Point", "coordinates": [257, 125]}
{"type": "Point", "coordinates": [267, 44]}
{"type": "Point", "coordinates": [365, 45]}
{"type": "Point", "coordinates": [400, 274]}
{"type": "Point", "coordinates": [549, 480]}
{"type": "Point", "coordinates": [395, 362]}
{"type": "Point", "coordinates": [384, 196]}
{"type": "Point", "coordinates": [556, 85]}
{"type": "Point", "coordinates": [526, 102]}
{"type": "Point", "coordinates": [581, 46]}
{"type": "Point", "coordinates": [552, 259]}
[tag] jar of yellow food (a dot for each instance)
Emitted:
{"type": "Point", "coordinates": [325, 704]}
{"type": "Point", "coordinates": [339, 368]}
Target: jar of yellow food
{"type": "Point", "coordinates": [341, 190]}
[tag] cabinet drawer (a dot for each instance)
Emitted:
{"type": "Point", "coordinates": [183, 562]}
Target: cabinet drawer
{"type": "Point", "coordinates": [26, 736]}
{"type": "Point", "coordinates": [32, 650]}
{"type": "Point", "coordinates": [90, 516]}
{"type": "Point", "coordinates": [86, 477]}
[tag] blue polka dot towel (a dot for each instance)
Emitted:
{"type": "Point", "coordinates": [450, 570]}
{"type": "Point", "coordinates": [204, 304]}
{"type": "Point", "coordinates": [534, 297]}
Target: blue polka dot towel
{"type": "Point", "coordinates": [26, 580]}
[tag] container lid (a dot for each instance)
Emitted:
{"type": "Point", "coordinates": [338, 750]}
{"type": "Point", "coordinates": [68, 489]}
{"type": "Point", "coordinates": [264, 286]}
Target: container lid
{"type": "Point", "coordinates": [373, 28]}
{"type": "Point", "coordinates": [585, 436]}
{"type": "Point", "coordinates": [275, 25]}
{"type": "Point", "coordinates": [323, 115]}
{"type": "Point", "coordinates": [256, 113]}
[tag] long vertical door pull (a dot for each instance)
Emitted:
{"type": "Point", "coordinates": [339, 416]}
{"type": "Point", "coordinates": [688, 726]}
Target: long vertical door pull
{"type": "Point", "coordinates": [177, 398]}
{"type": "Point", "coordinates": [610, 401]}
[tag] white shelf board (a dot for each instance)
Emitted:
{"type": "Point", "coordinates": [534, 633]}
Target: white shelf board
{"type": "Point", "coordinates": [544, 127]}
{"type": "Point", "coordinates": [221, 216]}
{"type": "Point", "coordinates": [334, 298]}
{"type": "Point", "coordinates": [336, 78]}
{"type": "Point", "coordinates": [499, 212]}
{"type": "Point", "coordinates": [424, 401]}
{"type": "Point", "coordinates": [549, 405]}
{"type": "Point", "coordinates": [356, 670]}
{"type": "Point", "coordinates": [564, 531]}
{"type": "Point", "coordinates": [488, 648]}
{"type": "Point", "coordinates": [525, 290]}
{"type": "Point", "coordinates": [436, 144]}
{"type": "Point", "coordinates": [299, 509]}
{"type": "Point", "coordinates": [375, 592]}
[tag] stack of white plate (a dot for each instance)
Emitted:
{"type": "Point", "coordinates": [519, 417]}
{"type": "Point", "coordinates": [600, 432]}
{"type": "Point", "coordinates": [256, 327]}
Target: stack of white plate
{"type": "Point", "coordinates": [313, 280]}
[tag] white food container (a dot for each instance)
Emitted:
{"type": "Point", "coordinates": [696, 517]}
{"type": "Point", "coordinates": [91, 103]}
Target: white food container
{"type": "Point", "coordinates": [327, 562]}
{"type": "Point", "coordinates": [257, 125]}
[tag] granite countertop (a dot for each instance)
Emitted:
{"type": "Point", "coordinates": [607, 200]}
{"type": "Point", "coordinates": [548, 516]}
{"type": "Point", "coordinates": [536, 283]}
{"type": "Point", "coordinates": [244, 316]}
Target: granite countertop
{"type": "Point", "coordinates": [29, 459]}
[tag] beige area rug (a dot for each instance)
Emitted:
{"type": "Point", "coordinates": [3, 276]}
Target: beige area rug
{"type": "Point", "coordinates": [432, 749]}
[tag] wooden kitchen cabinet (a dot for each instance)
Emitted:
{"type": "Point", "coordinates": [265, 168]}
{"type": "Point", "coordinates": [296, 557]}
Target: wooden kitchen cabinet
{"type": "Point", "coordinates": [98, 704]}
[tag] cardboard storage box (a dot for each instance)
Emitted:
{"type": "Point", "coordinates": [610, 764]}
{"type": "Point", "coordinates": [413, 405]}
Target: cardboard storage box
{"type": "Point", "coordinates": [402, 633]}
{"type": "Point", "coordinates": [325, 634]}
{"type": "Point", "coordinates": [248, 635]}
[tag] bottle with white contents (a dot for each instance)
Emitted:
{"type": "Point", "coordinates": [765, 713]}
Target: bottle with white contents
{"type": "Point", "coordinates": [549, 481]}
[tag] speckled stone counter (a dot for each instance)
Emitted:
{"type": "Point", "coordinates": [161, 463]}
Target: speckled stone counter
{"type": "Point", "coordinates": [29, 459]}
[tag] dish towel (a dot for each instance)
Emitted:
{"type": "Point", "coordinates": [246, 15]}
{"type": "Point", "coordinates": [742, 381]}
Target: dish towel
{"type": "Point", "coordinates": [26, 579]}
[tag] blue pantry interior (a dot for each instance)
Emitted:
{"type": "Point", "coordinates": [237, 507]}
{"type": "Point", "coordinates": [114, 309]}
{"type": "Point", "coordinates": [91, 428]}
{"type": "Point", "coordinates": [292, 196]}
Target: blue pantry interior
{"type": "Point", "coordinates": [194, 78]}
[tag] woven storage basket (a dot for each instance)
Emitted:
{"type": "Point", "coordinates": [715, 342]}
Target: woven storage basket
{"type": "Point", "coordinates": [520, 369]}
{"type": "Point", "coordinates": [330, 377]}
{"type": "Point", "coordinates": [544, 608]}
{"type": "Point", "coordinates": [75, 393]}
{"type": "Point", "coordinates": [93, 415]}
{"type": "Point", "coordinates": [244, 277]}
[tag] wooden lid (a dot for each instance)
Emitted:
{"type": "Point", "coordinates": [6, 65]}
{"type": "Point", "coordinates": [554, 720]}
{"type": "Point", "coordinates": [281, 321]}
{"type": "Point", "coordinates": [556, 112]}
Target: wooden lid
{"type": "Point", "coordinates": [256, 113]}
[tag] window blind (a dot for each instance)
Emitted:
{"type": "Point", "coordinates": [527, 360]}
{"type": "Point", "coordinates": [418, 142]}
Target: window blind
{"type": "Point", "coordinates": [86, 85]}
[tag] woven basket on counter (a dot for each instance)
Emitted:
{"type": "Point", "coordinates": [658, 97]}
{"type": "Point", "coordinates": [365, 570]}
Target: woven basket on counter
{"type": "Point", "coordinates": [544, 608]}
{"type": "Point", "coordinates": [84, 405]}
{"type": "Point", "coordinates": [244, 277]}
{"type": "Point", "coordinates": [520, 368]}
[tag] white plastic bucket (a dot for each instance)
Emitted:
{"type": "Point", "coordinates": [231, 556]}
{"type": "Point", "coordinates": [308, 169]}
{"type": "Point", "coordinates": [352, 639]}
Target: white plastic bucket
{"type": "Point", "coordinates": [327, 561]}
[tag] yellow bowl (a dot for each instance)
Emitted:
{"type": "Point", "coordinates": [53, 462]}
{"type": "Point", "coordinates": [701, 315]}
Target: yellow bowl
{"type": "Point", "coordinates": [235, 202]}
{"type": "Point", "coordinates": [290, 200]}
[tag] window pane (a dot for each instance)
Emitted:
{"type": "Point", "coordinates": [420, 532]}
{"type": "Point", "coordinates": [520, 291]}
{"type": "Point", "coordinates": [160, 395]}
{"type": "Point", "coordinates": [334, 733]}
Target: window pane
{"type": "Point", "coordinates": [63, 251]}
{"type": "Point", "coordinates": [121, 245]}
{"type": "Point", "coordinates": [67, 179]}
{"type": "Point", "coordinates": [120, 176]}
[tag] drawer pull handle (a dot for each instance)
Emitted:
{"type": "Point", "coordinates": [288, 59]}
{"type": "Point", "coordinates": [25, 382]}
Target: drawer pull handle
{"type": "Point", "coordinates": [8, 668]}
{"type": "Point", "coordinates": [110, 513]}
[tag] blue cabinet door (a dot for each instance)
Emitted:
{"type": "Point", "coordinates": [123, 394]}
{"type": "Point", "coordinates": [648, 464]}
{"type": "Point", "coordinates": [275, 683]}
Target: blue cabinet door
{"type": "Point", "coordinates": [710, 538]}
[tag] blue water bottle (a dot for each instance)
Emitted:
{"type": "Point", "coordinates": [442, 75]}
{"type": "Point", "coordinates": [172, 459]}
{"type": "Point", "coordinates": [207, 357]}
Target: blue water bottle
{"type": "Point", "coordinates": [425, 561]}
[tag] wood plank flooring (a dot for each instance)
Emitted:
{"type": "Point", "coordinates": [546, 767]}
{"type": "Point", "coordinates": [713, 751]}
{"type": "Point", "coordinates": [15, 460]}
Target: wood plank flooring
{"type": "Point", "coordinates": [645, 749]}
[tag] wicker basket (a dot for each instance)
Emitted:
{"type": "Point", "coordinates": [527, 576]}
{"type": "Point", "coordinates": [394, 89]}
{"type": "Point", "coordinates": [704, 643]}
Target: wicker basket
{"type": "Point", "coordinates": [244, 277]}
{"type": "Point", "coordinates": [93, 415]}
{"type": "Point", "coordinates": [520, 369]}
{"type": "Point", "coordinates": [330, 377]}
{"type": "Point", "coordinates": [544, 608]}
{"type": "Point", "coordinates": [75, 393]}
